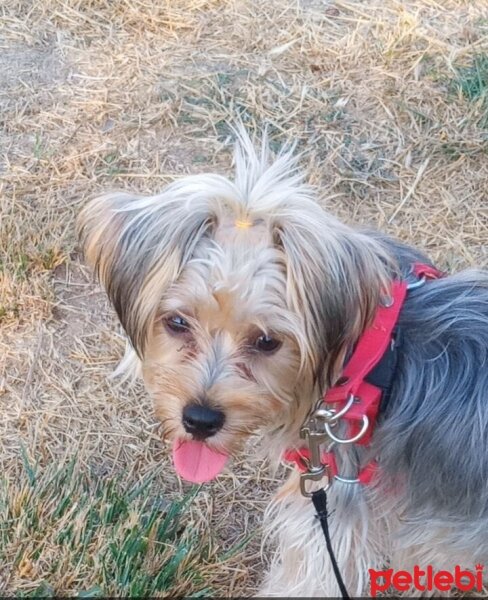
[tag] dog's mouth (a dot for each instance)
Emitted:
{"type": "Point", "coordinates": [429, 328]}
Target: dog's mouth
{"type": "Point", "coordinates": [196, 462]}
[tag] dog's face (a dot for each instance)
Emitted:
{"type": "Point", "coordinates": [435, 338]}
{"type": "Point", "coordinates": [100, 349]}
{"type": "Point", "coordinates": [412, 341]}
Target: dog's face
{"type": "Point", "coordinates": [223, 358]}
{"type": "Point", "coordinates": [240, 299]}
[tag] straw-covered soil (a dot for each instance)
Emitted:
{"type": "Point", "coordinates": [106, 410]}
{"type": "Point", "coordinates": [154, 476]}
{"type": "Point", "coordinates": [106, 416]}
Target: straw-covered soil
{"type": "Point", "coordinates": [388, 99]}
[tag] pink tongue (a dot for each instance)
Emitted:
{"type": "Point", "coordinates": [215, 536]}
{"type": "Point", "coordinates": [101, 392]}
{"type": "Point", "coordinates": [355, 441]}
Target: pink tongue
{"type": "Point", "coordinates": [196, 462]}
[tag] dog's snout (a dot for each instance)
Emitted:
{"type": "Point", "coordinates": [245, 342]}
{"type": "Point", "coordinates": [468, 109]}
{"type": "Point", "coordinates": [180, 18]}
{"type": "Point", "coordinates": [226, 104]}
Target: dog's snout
{"type": "Point", "coordinates": [202, 421]}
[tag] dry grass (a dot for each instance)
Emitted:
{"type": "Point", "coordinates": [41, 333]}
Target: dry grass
{"type": "Point", "coordinates": [388, 98]}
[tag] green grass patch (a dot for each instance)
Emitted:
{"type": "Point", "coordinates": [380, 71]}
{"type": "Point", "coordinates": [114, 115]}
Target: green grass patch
{"type": "Point", "coordinates": [472, 81]}
{"type": "Point", "coordinates": [63, 532]}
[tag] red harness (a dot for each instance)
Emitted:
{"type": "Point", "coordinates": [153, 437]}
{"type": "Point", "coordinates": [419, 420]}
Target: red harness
{"type": "Point", "coordinates": [352, 385]}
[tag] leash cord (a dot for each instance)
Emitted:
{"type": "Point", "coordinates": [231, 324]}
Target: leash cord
{"type": "Point", "coordinates": [319, 499]}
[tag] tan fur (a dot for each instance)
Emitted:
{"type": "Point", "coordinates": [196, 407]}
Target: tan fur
{"type": "Point", "coordinates": [186, 252]}
{"type": "Point", "coordinates": [292, 272]}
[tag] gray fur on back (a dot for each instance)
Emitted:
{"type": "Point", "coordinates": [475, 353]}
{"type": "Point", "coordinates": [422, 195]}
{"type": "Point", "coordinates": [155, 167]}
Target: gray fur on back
{"type": "Point", "coordinates": [435, 428]}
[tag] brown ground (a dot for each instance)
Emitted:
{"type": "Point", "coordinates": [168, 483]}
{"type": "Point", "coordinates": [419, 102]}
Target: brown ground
{"type": "Point", "coordinates": [389, 100]}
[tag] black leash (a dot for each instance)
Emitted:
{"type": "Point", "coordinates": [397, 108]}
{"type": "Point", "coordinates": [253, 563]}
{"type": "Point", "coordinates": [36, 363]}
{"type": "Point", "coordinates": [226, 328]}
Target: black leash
{"type": "Point", "coordinates": [319, 499]}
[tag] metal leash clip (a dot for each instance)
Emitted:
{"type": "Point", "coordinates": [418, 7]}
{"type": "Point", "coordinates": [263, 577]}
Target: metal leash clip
{"type": "Point", "coordinates": [316, 470]}
{"type": "Point", "coordinates": [315, 434]}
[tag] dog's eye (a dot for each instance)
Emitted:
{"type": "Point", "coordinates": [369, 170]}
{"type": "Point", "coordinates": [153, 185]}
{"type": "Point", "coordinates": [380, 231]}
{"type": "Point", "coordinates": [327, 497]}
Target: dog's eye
{"type": "Point", "coordinates": [177, 324]}
{"type": "Point", "coordinates": [265, 343]}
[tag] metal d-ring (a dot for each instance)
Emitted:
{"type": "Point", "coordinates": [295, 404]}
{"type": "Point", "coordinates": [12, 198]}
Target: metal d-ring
{"type": "Point", "coordinates": [346, 479]}
{"type": "Point", "coordinates": [416, 284]}
{"type": "Point", "coordinates": [355, 438]}
{"type": "Point", "coordinates": [330, 416]}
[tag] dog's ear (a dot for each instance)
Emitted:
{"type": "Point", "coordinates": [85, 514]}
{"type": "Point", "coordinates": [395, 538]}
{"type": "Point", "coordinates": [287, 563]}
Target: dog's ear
{"type": "Point", "coordinates": [335, 279]}
{"type": "Point", "coordinates": [138, 247]}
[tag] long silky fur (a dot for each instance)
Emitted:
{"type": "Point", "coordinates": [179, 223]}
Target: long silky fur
{"type": "Point", "coordinates": [429, 504]}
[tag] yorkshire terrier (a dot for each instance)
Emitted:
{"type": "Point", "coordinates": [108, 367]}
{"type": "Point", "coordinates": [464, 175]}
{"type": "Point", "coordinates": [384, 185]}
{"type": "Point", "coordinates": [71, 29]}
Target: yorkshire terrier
{"type": "Point", "coordinates": [242, 301]}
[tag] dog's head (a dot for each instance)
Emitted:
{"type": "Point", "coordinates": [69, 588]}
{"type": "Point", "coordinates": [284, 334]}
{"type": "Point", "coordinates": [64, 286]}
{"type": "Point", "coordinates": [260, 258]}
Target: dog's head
{"type": "Point", "coordinates": [240, 299]}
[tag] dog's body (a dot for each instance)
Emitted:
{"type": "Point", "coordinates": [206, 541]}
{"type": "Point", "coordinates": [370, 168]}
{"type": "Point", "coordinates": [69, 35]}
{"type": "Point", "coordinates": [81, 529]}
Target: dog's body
{"type": "Point", "coordinates": [430, 504]}
{"type": "Point", "coordinates": [241, 302]}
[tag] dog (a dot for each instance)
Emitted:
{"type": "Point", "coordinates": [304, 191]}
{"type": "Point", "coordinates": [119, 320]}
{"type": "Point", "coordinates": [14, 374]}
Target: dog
{"type": "Point", "coordinates": [242, 301]}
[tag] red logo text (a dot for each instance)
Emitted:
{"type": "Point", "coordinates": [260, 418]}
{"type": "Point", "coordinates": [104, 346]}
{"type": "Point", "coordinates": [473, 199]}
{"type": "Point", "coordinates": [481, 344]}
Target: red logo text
{"type": "Point", "coordinates": [426, 580]}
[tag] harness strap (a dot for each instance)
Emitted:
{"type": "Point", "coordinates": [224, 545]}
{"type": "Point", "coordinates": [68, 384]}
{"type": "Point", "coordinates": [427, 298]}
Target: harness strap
{"type": "Point", "coordinates": [367, 378]}
{"type": "Point", "coordinates": [370, 349]}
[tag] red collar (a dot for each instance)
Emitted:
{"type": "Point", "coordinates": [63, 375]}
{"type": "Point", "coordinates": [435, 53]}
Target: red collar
{"type": "Point", "coordinates": [368, 353]}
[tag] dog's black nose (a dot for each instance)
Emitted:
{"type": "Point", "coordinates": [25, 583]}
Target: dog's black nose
{"type": "Point", "coordinates": [202, 421]}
